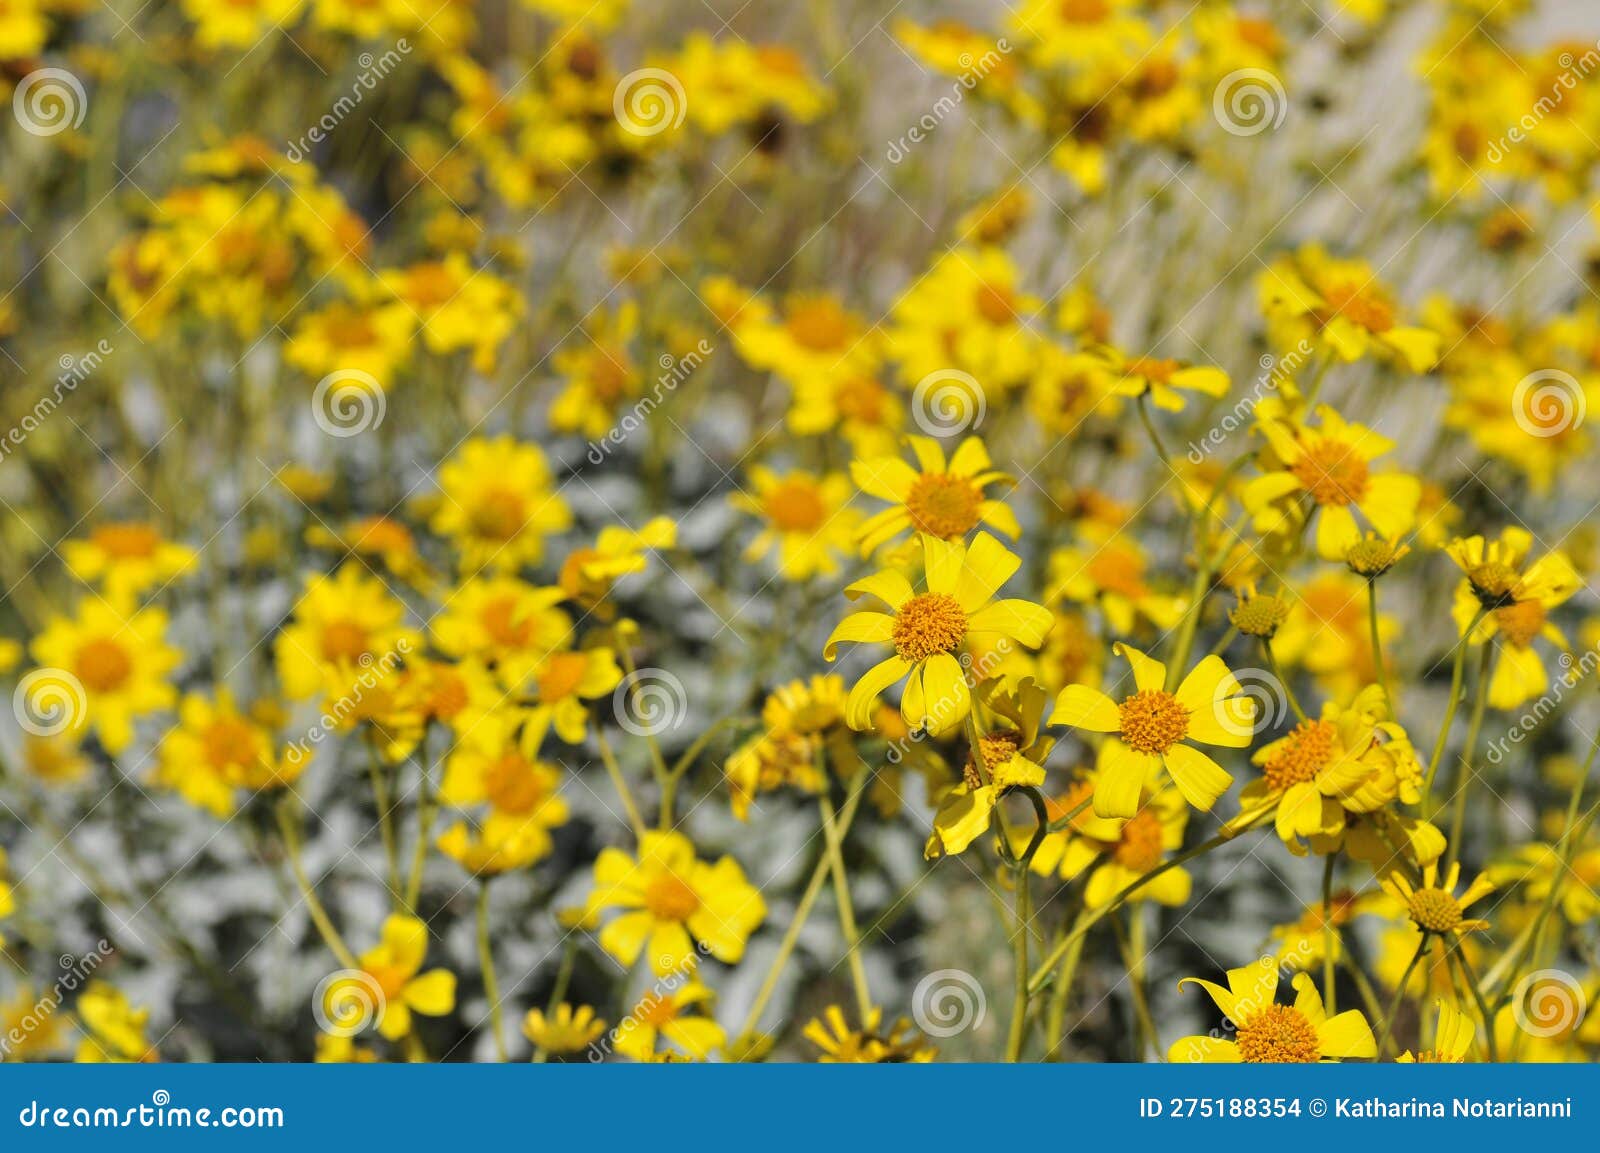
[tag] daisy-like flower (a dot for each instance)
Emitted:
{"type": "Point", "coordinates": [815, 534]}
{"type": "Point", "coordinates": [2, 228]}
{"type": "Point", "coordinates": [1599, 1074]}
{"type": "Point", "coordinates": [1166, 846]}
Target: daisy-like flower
{"type": "Point", "coordinates": [1452, 1039]}
{"type": "Point", "coordinates": [564, 1030]}
{"type": "Point", "coordinates": [1331, 464]}
{"type": "Point", "coordinates": [563, 682]}
{"type": "Point", "coordinates": [801, 719]}
{"type": "Point", "coordinates": [1515, 599]}
{"type": "Point", "coordinates": [524, 801]}
{"type": "Point", "coordinates": [670, 900]}
{"type": "Point", "coordinates": [1111, 574]}
{"type": "Point", "coordinates": [1163, 379]}
{"type": "Point", "coordinates": [814, 344]}
{"type": "Point", "coordinates": [1341, 306]}
{"type": "Point", "coordinates": [939, 498]}
{"type": "Point", "coordinates": [929, 630]}
{"type": "Point", "coordinates": [498, 505]}
{"type": "Point", "coordinates": [1435, 908]}
{"type": "Point", "coordinates": [600, 372]}
{"type": "Point", "coordinates": [370, 339]}
{"type": "Point", "coordinates": [394, 965]}
{"type": "Point", "coordinates": [117, 657]}
{"type": "Point", "coordinates": [1267, 1032]}
{"type": "Point", "coordinates": [1151, 726]}
{"type": "Point", "coordinates": [460, 307]}
{"type": "Point", "coordinates": [967, 313]}
{"type": "Point", "coordinates": [588, 574]}
{"type": "Point", "coordinates": [870, 1045]}
{"type": "Point", "coordinates": [508, 624]}
{"type": "Point", "coordinates": [216, 752]}
{"type": "Point", "coordinates": [342, 624]}
{"type": "Point", "coordinates": [127, 559]}
{"type": "Point", "coordinates": [1351, 759]}
{"type": "Point", "coordinates": [1008, 756]}
{"type": "Point", "coordinates": [114, 1031]}
{"type": "Point", "coordinates": [808, 520]}
{"type": "Point", "coordinates": [675, 1015]}
{"type": "Point", "coordinates": [1116, 853]}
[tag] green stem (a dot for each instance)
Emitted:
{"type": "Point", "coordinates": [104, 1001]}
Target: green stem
{"type": "Point", "coordinates": [833, 840]}
{"type": "Point", "coordinates": [1288, 693]}
{"type": "Point", "coordinates": [491, 986]}
{"type": "Point", "coordinates": [620, 783]}
{"type": "Point", "coordinates": [1456, 673]}
{"type": "Point", "coordinates": [1329, 944]}
{"type": "Point", "coordinates": [319, 915]}
{"type": "Point", "coordinates": [380, 797]}
{"type": "Point", "coordinates": [1400, 993]}
{"type": "Point", "coordinates": [1377, 647]}
{"type": "Point", "coordinates": [1464, 775]}
{"type": "Point", "coordinates": [1055, 1018]}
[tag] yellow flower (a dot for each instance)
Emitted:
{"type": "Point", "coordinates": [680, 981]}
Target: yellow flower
{"type": "Point", "coordinates": [460, 307]}
{"type": "Point", "coordinates": [344, 626]}
{"type": "Point", "coordinates": [861, 407]}
{"type": "Point", "coordinates": [1515, 599]}
{"type": "Point", "coordinates": [600, 373]}
{"type": "Point", "coordinates": [667, 1014]}
{"type": "Point", "coordinates": [564, 1030]}
{"type": "Point", "coordinates": [940, 498]}
{"type": "Point", "coordinates": [1434, 908]}
{"type": "Point", "coordinates": [929, 630]}
{"type": "Point", "coordinates": [1452, 1038]}
{"type": "Point", "coordinates": [816, 344]}
{"type": "Point", "coordinates": [1152, 725]}
{"type": "Point", "coordinates": [215, 751]}
{"type": "Point", "coordinates": [523, 796]}
{"type": "Point", "coordinates": [588, 574]}
{"type": "Point", "coordinates": [55, 760]}
{"type": "Point", "coordinates": [1351, 759]}
{"type": "Point", "coordinates": [32, 1026]}
{"type": "Point", "coordinates": [967, 313]}
{"type": "Point", "coordinates": [127, 559]}
{"type": "Point", "coordinates": [337, 1049]}
{"type": "Point", "coordinates": [240, 23]}
{"type": "Point", "coordinates": [498, 505]}
{"type": "Point", "coordinates": [1116, 853]}
{"type": "Point", "coordinates": [801, 717]}
{"type": "Point", "coordinates": [1340, 306]}
{"type": "Point", "coordinates": [394, 965]}
{"type": "Point", "coordinates": [121, 661]}
{"type": "Point", "coordinates": [564, 681]}
{"type": "Point", "coordinates": [670, 900]}
{"type": "Point", "coordinates": [1266, 1031]}
{"type": "Point", "coordinates": [349, 337]}
{"type": "Point", "coordinates": [114, 1030]}
{"type": "Point", "coordinates": [808, 520]}
{"type": "Point", "coordinates": [508, 624]}
{"type": "Point", "coordinates": [1110, 573]}
{"type": "Point", "coordinates": [1331, 465]}
{"type": "Point", "coordinates": [382, 538]}
{"type": "Point", "coordinates": [869, 1045]}
{"type": "Point", "coordinates": [1163, 380]}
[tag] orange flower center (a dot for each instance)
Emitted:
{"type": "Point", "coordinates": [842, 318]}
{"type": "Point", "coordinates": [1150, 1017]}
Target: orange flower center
{"type": "Point", "coordinates": [927, 625]}
{"type": "Point", "coordinates": [230, 742]}
{"type": "Point", "coordinates": [1085, 11]}
{"type": "Point", "coordinates": [1140, 846]}
{"type": "Point", "coordinates": [561, 675]}
{"type": "Point", "coordinates": [655, 1011]}
{"type": "Point", "coordinates": [447, 695]}
{"type": "Point", "coordinates": [127, 541]}
{"type": "Point", "coordinates": [1493, 582]}
{"type": "Point", "coordinates": [1304, 754]}
{"type": "Point", "coordinates": [429, 286]}
{"type": "Point", "coordinates": [1358, 307]}
{"type": "Point", "coordinates": [944, 506]}
{"type": "Point", "coordinates": [571, 578]}
{"type": "Point", "coordinates": [1153, 720]}
{"type": "Point", "coordinates": [1278, 1034]}
{"type": "Point", "coordinates": [860, 399]}
{"type": "Point", "coordinates": [103, 665]}
{"type": "Point", "coordinates": [1332, 473]}
{"type": "Point", "coordinates": [1118, 570]}
{"type": "Point", "coordinates": [1520, 622]}
{"type": "Point", "coordinates": [1057, 808]}
{"type": "Point", "coordinates": [668, 897]}
{"type": "Point", "coordinates": [499, 514]}
{"type": "Point", "coordinates": [1434, 910]}
{"type": "Point", "coordinates": [610, 373]}
{"type": "Point", "coordinates": [504, 624]}
{"type": "Point", "coordinates": [818, 324]}
{"type": "Point", "coordinates": [1153, 369]}
{"type": "Point", "coordinates": [343, 642]}
{"type": "Point", "coordinates": [795, 505]}
{"type": "Point", "coordinates": [996, 303]}
{"type": "Point", "coordinates": [512, 785]}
